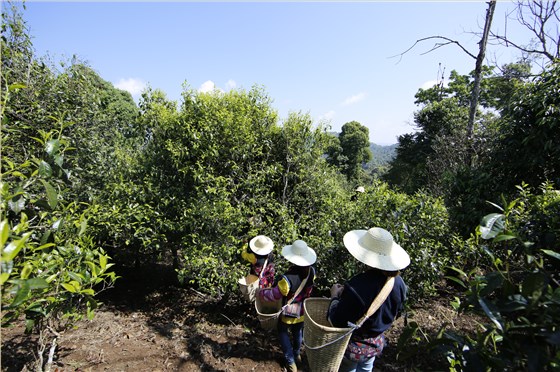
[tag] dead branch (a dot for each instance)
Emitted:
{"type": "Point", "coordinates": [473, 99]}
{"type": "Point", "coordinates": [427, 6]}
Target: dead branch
{"type": "Point", "coordinates": [447, 41]}
{"type": "Point", "coordinates": [541, 18]}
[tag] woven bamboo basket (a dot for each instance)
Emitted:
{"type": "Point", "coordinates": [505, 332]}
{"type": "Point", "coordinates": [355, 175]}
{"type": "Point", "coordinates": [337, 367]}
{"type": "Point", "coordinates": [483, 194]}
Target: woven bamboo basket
{"type": "Point", "coordinates": [248, 286]}
{"type": "Point", "coordinates": [324, 344]}
{"type": "Point", "coordinates": [268, 313]}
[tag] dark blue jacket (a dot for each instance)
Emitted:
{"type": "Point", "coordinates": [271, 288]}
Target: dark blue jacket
{"type": "Point", "coordinates": [359, 292]}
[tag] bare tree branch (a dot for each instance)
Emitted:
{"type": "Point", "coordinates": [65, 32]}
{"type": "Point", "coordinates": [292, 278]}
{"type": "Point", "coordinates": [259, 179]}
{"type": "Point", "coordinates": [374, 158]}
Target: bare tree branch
{"type": "Point", "coordinates": [541, 18]}
{"type": "Point", "coordinates": [438, 45]}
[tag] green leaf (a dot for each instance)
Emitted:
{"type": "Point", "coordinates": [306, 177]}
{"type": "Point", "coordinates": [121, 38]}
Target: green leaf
{"type": "Point", "coordinates": [551, 253]}
{"type": "Point", "coordinates": [83, 226]}
{"type": "Point", "coordinates": [76, 276]}
{"type": "Point", "coordinates": [52, 147]}
{"type": "Point", "coordinates": [17, 205]}
{"type": "Point", "coordinates": [456, 280]}
{"type": "Point", "coordinates": [11, 251]}
{"type": "Point", "coordinates": [103, 262]}
{"type": "Point", "coordinates": [26, 271]}
{"type": "Point", "coordinates": [69, 287]}
{"type": "Point", "coordinates": [4, 232]}
{"type": "Point", "coordinates": [29, 324]}
{"type": "Point", "coordinates": [493, 317]}
{"type": "Point", "coordinates": [4, 277]}
{"type": "Point", "coordinates": [22, 294]}
{"type": "Point", "coordinates": [533, 286]}
{"type": "Point", "coordinates": [45, 169]}
{"type": "Point", "coordinates": [491, 225]}
{"type": "Point", "coordinates": [504, 237]}
{"type": "Point", "coordinates": [52, 195]}
{"type": "Point", "coordinates": [15, 86]}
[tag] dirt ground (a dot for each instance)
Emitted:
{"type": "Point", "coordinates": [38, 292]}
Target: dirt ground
{"type": "Point", "coordinates": [148, 323]}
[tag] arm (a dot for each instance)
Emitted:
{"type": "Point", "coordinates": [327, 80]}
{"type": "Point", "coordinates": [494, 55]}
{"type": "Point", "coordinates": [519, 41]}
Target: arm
{"type": "Point", "coordinates": [277, 292]}
{"type": "Point", "coordinates": [345, 308]}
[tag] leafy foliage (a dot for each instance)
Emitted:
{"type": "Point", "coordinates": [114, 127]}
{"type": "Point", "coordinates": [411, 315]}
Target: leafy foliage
{"type": "Point", "coordinates": [351, 150]}
{"type": "Point", "coordinates": [516, 289]}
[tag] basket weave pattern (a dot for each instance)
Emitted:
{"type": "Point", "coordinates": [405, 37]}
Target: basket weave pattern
{"type": "Point", "coordinates": [318, 331]}
{"type": "Point", "coordinates": [268, 313]}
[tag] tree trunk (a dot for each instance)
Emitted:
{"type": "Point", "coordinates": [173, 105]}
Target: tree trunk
{"type": "Point", "coordinates": [478, 70]}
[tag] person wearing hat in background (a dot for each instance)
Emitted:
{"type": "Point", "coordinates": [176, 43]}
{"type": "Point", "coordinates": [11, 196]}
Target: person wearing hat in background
{"type": "Point", "coordinates": [297, 281]}
{"type": "Point", "coordinates": [261, 258]}
{"type": "Point", "coordinates": [377, 249]}
{"type": "Point", "coordinates": [359, 190]}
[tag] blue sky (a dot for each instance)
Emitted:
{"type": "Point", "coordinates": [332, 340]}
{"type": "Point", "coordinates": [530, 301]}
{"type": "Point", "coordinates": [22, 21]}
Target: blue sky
{"type": "Point", "coordinates": [329, 59]}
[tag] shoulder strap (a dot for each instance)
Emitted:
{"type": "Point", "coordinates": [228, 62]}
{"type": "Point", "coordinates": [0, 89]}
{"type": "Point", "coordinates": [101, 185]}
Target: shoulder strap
{"type": "Point", "coordinates": [263, 267]}
{"type": "Point", "coordinates": [378, 301]}
{"type": "Point", "coordinates": [300, 287]}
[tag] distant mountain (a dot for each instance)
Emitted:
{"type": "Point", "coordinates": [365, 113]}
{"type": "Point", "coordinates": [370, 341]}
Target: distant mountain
{"type": "Point", "coordinates": [380, 155]}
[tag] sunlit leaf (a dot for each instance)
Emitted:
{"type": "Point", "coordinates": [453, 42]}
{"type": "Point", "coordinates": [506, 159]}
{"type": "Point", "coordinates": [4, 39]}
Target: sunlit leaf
{"type": "Point", "coordinates": [17, 205]}
{"type": "Point", "coordinates": [22, 293]}
{"type": "Point", "coordinates": [491, 225]}
{"type": "Point", "coordinates": [15, 86]}
{"type": "Point", "coordinates": [52, 195]}
{"type": "Point", "coordinates": [503, 237]}
{"type": "Point", "coordinates": [4, 232]}
{"type": "Point", "coordinates": [26, 271]}
{"type": "Point", "coordinates": [45, 169]}
{"type": "Point", "coordinates": [69, 287]}
{"type": "Point", "coordinates": [103, 262]}
{"type": "Point", "coordinates": [552, 253]}
{"type": "Point", "coordinates": [493, 317]}
{"type": "Point", "coordinates": [52, 147]}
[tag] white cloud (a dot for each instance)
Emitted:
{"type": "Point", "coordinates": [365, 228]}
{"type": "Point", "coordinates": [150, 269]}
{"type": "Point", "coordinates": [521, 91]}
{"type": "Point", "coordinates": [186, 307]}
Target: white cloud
{"type": "Point", "coordinates": [207, 86]}
{"type": "Point", "coordinates": [210, 87]}
{"type": "Point", "coordinates": [327, 115]}
{"type": "Point", "coordinates": [430, 83]}
{"type": "Point", "coordinates": [131, 85]}
{"type": "Point", "coordinates": [231, 84]}
{"type": "Point", "coordinates": [353, 99]}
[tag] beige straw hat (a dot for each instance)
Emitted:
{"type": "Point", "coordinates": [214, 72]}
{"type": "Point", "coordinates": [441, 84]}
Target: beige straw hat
{"type": "Point", "coordinates": [376, 248]}
{"type": "Point", "coordinates": [299, 253]}
{"type": "Point", "coordinates": [261, 245]}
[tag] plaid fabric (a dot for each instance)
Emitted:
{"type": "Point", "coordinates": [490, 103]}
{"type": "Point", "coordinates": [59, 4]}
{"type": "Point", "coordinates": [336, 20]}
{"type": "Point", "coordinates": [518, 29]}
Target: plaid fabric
{"type": "Point", "coordinates": [360, 351]}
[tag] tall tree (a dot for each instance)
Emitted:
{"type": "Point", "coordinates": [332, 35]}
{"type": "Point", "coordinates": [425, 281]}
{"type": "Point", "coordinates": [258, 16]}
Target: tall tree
{"type": "Point", "coordinates": [351, 151]}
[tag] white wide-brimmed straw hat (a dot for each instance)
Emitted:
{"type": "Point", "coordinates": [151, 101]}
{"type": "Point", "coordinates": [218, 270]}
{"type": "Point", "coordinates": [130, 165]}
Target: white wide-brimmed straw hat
{"type": "Point", "coordinates": [299, 253]}
{"type": "Point", "coordinates": [261, 245]}
{"type": "Point", "coordinates": [376, 248]}
{"type": "Point", "coordinates": [360, 189]}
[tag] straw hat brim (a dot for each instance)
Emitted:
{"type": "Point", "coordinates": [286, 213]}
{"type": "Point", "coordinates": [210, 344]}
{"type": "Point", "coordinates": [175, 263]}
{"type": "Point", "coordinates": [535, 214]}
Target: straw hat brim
{"type": "Point", "coordinates": [397, 260]}
{"type": "Point", "coordinates": [307, 259]}
{"type": "Point", "coordinates": [262, 251]}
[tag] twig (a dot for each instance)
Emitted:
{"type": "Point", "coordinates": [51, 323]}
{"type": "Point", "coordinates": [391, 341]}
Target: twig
{"type": "Point", "coordinates": [436, 46]}
{"type": "Point", "coordinates": [228, 319]}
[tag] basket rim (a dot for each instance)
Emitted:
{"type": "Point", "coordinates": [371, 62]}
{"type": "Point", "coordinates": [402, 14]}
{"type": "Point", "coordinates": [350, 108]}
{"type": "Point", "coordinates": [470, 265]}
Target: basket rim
{"type": "Point", "coordinates": [315, 324]}
{"type": "Point", "coordinates": [257, 302]}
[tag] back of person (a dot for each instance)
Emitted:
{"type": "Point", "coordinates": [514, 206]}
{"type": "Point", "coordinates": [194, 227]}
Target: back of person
{"type": "Point", "coordinates": [377, 249]}
{"type": "Point", "coordinates": [293, 287]}
{"type": "Point", "coordinates": [291, 282]}
{"type": "Point", "coordinates": [262, 259]}
{"type": "Point", "coordinates": [359, 292]}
